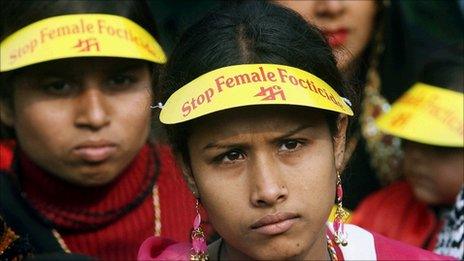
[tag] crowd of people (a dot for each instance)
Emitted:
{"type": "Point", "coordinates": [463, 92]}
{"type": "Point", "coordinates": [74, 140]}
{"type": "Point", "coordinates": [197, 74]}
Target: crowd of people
{"type": "Point", "coordinates": [305, 130]}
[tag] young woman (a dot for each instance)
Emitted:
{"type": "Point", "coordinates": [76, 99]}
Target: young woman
{"type": "Point", "coordinates": [257, 115]}
{"type": "Point", "coordinates": [429, 118]}
{"type": "Point", "coordinates": [76, 92]}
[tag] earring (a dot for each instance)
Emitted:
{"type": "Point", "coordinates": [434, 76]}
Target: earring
{"type": "Point", "coordinates": [340, 216]}
{"type": "Point", "coordinates": [158, 105]}
{"type": "Point", "coordinates": [199, 250]}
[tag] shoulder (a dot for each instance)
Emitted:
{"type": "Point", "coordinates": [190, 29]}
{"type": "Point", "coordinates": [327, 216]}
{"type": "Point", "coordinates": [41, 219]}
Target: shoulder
{"type": "Point", "coordinates": [395, 207]}
{"type": "Point", "coordinates": [391, 249]}
{"type": "Point", "coordinates": [399, 189]}
{"type": "Point", "coordinates": [17, 214]}
{"type": "Point", "coordinates": [377, 247]}
{"type": "Point", "coordinates": [12, 246]}
{"type": "Point", "coordinates": [391, 201]}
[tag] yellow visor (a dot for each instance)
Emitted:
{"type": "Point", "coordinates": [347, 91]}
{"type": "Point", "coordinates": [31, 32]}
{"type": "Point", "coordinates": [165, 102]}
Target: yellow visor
{"type": "Point", "coordinates": [250, 84]}
{"type": "Point", "coordinates": [427, 114]}
{"type": "Point", "coordinates": [78, 35]}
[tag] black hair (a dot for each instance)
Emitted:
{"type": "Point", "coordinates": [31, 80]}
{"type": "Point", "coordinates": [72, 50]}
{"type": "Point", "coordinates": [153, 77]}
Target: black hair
{"type": "Point", "coordinates": [17, 14]}
{"type": "Point", "coordinates": [242, 33]}
{"type": "Point", "coordinates": [20, 13]}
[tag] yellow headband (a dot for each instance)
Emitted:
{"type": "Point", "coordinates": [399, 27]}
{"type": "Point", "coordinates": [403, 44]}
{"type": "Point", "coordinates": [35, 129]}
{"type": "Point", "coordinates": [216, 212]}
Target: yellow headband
{"type": "Point", "coordinates": [427, 114]}
{"type": "Point", "coordinates": [250, 84]}
{"type": "Point", "coordinates": [78, 35]}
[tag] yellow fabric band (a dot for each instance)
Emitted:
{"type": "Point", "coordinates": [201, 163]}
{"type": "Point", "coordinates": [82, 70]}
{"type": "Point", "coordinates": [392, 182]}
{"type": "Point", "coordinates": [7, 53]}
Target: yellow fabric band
{"type": "Point", "coordinates": [427, 114]}
{"type": "Point", "coordinates": [250, 84]}
{"type": "Point", "coordinates": [78, 35]}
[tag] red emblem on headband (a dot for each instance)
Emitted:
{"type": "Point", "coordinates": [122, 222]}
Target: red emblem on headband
{"type": "Point", "coordinates": [400, 119]}
{"type": "Point", "coordinates": [271, 93]}
{"type": "Point", "coordinates": [87, 45]}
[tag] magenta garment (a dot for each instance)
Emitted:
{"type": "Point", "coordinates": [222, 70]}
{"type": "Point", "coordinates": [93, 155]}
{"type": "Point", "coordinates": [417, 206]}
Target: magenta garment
{"type": "Point", "coordinates": [362, 245]}
{"type": "Point", "coordinates": [388, 249]}
{"type": "Point", "coordinates": [161, 248]}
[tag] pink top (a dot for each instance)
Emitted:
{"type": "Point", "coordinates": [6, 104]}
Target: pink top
{"type": "Point", "coordinates": [362, 245]}
{"type": "Point", "coordinates": [161, 248]}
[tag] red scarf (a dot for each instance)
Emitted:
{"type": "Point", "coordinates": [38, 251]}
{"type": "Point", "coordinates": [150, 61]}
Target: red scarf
{"type": "Point", "coordinates": [71, 207]}
{"type": "Point", "coordinates": [90, 220]}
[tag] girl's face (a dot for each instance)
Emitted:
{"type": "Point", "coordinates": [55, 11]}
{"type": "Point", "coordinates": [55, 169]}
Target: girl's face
{"type": "Point", "coordinates": [83, 119]}
{"type": "Point", "coordinates": [266, 177]}
{"type": "Point", "coordinates": [435, 173]}
{"type": "Point", "coordinates": [347, 24]}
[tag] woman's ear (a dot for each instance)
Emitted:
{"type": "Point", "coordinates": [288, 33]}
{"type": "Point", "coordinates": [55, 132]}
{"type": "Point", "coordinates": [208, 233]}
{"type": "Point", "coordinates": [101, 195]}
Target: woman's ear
{"type": "Point", "coordinates": [340, 142]}
{"type": "Point", "coordinates": [6, 113]}
{"type": "Point", "coordinates": [188, 175]}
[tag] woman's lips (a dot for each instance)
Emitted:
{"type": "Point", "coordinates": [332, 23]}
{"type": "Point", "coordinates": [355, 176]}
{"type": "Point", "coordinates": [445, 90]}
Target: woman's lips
{"type": "Point", "coordinates": [95, 152]}
{"type": "Point", "coordinates": [275, 224]}
{"type": "Point", "coordinates": [336, 37]}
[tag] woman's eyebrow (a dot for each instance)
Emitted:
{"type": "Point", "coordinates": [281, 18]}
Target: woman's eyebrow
{"type": "Point", "coordinates": [293, 132]}
{"type": "Point", "coordinates": [126, 67]}
{"type": "Point", "coordinates": [218, 145]}
{"type": "Point", "coordinates": [226, 145]}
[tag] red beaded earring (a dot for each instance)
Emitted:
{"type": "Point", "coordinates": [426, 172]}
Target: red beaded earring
{"type": "Point", "coordinates": [340, 216]}
{"type": "Point", "coordinates": [199, 247]}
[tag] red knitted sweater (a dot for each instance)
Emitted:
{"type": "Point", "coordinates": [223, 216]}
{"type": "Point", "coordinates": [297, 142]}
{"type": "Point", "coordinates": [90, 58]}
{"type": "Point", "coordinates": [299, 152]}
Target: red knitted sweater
{"type": "Point", "coordinates": [64, 205]}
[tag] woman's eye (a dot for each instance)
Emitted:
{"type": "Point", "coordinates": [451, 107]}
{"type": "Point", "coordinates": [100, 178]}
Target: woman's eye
{"type": "Point", "coordinates": [122, 80]}
{"type": "Point", "coordinates": [290, 145]}
{"type": "Point", "coordinates": [230, 157]}
{"type": "Point", "coordinates": [58, 87]}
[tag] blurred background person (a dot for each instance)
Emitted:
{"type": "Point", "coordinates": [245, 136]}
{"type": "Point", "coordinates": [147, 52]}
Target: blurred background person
{"type": "Point", "coordinates": [429, 118]}
{"type": "Point", "coordinates": [378, 56]}
{"type": "Point", "coordinates": [355, 30]}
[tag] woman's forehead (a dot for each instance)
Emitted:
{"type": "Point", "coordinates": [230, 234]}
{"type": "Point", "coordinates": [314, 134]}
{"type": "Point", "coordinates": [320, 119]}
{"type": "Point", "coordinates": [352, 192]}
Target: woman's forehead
{"type": "Point", "coordinates": [83, 65]}
{"type": "Point", "coordinates": [256, 119]}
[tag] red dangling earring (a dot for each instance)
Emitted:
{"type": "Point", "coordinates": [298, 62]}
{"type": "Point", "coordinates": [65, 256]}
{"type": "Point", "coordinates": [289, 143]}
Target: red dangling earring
{"type": "Point", "coordinates": [199, 247]}
{"type": "Point", "coordinates": [340, 216]}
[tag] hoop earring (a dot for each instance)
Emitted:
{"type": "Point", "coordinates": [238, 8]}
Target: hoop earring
{"type": "Point", "coordinates": [340, 216]}
{"type": "Point", "coordinates": [199, 251]}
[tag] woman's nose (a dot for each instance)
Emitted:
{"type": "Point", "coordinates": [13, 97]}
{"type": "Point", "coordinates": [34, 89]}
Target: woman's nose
{"type": "Point", "coordinates": [329, 8]}
{"type": "Point", "coordinates": [267, 183]}
{"type": "Point", "coordinates": [92, 109]}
